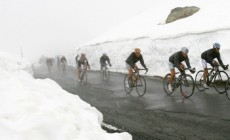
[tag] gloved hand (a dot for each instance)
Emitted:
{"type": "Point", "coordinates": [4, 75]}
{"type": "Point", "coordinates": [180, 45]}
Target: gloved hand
{"type": "Point", "coordinates": [146, 69]}
{"type": "Point", "coordinates": [193, 70]}
{"type": "Point", "coordinates": [110, 65]}
{"type": "Point", "coordinates": [181, 70]}
{"type": "Point", "coordinates": [89, 67]}
{"type": "Point", "coordinates": [225, 67]}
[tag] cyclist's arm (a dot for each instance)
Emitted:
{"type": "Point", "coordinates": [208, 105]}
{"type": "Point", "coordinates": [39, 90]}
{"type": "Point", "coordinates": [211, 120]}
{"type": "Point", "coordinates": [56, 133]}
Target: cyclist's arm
{"type": "Point", "coordinates": [101, 60]}
{"type": "Point", "coordinates": [108, 60]}
{"type": "Point", "coordinates": [219, 60]}
{"type": "Point", "coordinates": [142, 61]}
{"type": "Point", "coordinates": [187, 63]}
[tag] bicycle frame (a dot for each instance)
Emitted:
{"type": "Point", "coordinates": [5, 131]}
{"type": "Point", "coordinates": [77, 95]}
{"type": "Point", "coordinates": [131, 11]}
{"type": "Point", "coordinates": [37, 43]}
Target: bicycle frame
{"type": "Point", "coordinates": [135, 76]}
{"type": "Point", "coordinates": [137, 81]}
{"type": "Point", "coordinates": [212, 75]}
{"type": "Point", "coordinates": [184, 81]}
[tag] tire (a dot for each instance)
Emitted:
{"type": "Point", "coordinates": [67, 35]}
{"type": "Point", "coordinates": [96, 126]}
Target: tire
{"type": "Point", "coordinates": [127, 89]}
{"type": "Point", "coordinates": [165, 84]}
{"type": "Point", "coordinates": [220, 82]}
{"type": "Point", "coordinates": [187, 86]}
{"type": "Point", "coordinates": [84, 79]}
{"type": "Point", "coordinates": [227, 89]}
{"type": "Point", "coordinates": [107, 74]}
{"type": "Point", "coordinates": [141, 86]}
{"type": "Point", "coordinates": [199, 79]}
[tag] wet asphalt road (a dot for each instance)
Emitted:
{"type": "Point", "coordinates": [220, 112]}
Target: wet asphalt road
{"type": "Point", "coordinates": [204, 116]}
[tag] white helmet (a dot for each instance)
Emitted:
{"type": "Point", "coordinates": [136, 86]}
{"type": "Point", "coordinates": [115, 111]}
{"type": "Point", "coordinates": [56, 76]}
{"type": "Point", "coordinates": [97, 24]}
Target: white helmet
{"type": "Point", "coordinates": [184, 49]}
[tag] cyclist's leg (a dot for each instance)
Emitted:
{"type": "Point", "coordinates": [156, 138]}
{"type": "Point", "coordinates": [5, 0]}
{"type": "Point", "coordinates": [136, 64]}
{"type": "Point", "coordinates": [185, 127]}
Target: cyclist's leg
{"type": "Point", "coordinates": [79, 70]}
{"type": "Point", "coordinates": [172, 71]}
{"type": "Point", "coordinates": [129, 68]}
{"type": "Point", "coordinates": [204, 64]}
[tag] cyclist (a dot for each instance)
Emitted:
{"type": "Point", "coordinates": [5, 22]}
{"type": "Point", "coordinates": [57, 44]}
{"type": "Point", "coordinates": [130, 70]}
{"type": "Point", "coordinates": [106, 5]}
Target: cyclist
{"type": "Point", "coordinates": [175, 61]}
{"type": "Point", "coordinates": [131, 62]}
{"type": "Point", "coordinates": [63, 63]}
{"type": "Point", "coordinates": [63, 59]}
{"type": "Point", "coordinates": [103, 60]}
{"type": "Point", "coordinates": [208, 56]}
{"type": "Point", "coordinates": [49, 63]}
{"type": "Point", "coordinates": [58, 63]}
{"type": "Point", "coordinates": [81, 61]}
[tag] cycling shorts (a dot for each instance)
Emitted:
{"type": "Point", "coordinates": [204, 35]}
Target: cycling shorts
{"type": "Point", "coordinates": [128, 66]}
{"type": "Point", "coordinates": [204, 63]}
{"type": "Point", "coordinates": [171, 66]}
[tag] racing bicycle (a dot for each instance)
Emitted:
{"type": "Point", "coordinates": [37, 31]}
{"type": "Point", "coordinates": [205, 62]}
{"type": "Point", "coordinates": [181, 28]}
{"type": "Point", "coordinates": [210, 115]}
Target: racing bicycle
{"type": "Point", "coordinates": [136, 81]}
{"type": "Point", "coordinates": [105, 73]}
{"type": "Point", "coordinates": [216, 77]}
{"type": "Point", "coordinates": [83, 75]}
{"type": "Point", "coordinates": [184, 81]}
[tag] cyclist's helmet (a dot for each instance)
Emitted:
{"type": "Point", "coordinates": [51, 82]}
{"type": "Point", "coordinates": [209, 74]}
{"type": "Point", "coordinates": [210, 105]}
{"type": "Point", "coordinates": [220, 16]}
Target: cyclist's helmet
{"type": "Point", "coordinates": [216, 45]}
{"type": "Point", "coordinates": [137, 50]}
{"type": "Point", "coordinates": [184, 49]}
{"type": "Point", "coordinates": [83, 54]}
{"type": "Point", "coordinates": [104, 54]}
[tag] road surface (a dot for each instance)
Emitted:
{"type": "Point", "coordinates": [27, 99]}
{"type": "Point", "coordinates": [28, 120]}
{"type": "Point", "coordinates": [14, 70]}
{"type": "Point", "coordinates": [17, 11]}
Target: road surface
{"type": "Point", "coordinates": [155, 116]}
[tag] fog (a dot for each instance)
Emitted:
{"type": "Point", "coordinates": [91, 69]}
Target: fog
{"type": "Point", "coordinates": [56, 27]}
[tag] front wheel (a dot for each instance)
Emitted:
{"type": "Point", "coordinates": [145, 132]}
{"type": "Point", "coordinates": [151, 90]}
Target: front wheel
{"type": "Point", "coordinates": [127, 86]}
{"type": "Point", "coordinates": [141, 86]}
{"type": "Point", "coordinates": [187, 86]}
{"type": "Point", "coordinates": [166, 82]}
{"type": "Point", "coordinates": [220, 81]}
{"type": "Point", "coordinates": [84, 79]}
{"type": "Point", "coordinates": [199, 80]}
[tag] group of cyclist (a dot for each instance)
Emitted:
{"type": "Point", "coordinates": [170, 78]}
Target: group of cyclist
{"type": "Point", "coordinates": [175, 60]}
{"type": "Point", "coordinates": [207, 57]}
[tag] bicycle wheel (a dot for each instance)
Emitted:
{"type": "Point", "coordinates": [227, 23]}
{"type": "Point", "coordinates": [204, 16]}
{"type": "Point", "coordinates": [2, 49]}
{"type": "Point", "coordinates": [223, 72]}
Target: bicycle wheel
{"type": "Point", "coordinates": [84, 79]}
{"type": "Point", "coordinates": [140, 86]}
{"type": "Point", "coordinates": [127, 86]}
{"type": "Point", "coordinates": [102, 75]}
{"type": "Point", "coordinates": [220, 82]}
{"type": "Point", "coordinates": [165, 84]}
{"type": "Point", "coordinates": [199, 79]}
{"type": "Point", "coordinates": [187, 86]}
{"type": "Point", "coordinates": [227, 89]}
{"type": "Point", "coordinates": [106, 74]}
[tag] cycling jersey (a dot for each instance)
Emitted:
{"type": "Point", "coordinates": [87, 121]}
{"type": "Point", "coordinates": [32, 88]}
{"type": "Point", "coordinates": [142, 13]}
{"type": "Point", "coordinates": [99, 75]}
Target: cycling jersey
{"type": "Point", "coordinates": [211, 54]}
{"type": "Point", "coordinates": [82, 61]}
{"type": "Point", "coordinates": [103, 60]}
{"type": "Point", "coordinates": [177, 58]}
{"type": "Point", "coordinates": [132, 59]}
{"type": "Point", "coordinates": [63, 60]}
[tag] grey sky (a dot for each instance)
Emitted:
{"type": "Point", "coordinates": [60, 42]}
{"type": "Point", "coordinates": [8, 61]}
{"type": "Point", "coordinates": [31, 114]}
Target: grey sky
{"type": "Point", "coordinates": [51, 27]}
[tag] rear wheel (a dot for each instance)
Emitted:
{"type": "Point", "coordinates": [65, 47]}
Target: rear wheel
{"type": "Point", "coordinates": [199, 80]}
{"type": "Point", "coordinates": [187, 86]}
{"type": "Point", "coordinates": [227, 89]}
{"type": "Point", "coordinates": [127, 86]}
{"type": "Point", "coordinates": [141, 86]}
{"type": "Point", "coordinates": [165, 84]}
{"type": "Point", "coordinates": [220, 82]}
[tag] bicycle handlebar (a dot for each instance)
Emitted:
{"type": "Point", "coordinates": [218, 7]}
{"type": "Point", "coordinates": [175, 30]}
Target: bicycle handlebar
{"type": "Point", "coordinates": [139, 69]}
